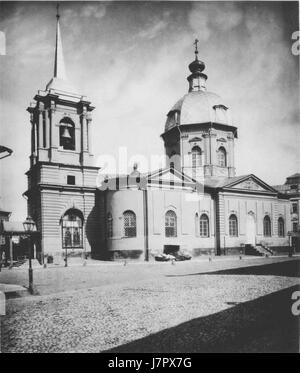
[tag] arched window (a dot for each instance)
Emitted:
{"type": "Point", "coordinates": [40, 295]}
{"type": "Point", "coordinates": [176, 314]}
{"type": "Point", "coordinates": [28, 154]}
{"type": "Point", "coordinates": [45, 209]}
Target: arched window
{"type": "Point", "coordinates": [196, 157]}
{"type": "Point", "coordinates": [129, 224]}
{"type": "Point", "coordinates": [267, 226]}
{"type": "Point", "coordinates": [222, 157]}
{"type": "Point", "coordinates": [67, 134]}
{"type": "Point", "coordinates": [109, 225]}
{"type": "Point", "coordinates": [170, 224]}
{"type": "Point", "coordinates": [280, 227]}
{"type": "Point", "coordinates": [233, 226]}
{"type": "Point", "coordinates": [72, 229]}
{"type": "Point", "coordinates": [197, 224]}
{"type": "Point", "coordinates": [204, 226]}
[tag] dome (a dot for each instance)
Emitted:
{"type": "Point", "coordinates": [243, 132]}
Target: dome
{"type": "Point", "coordinates": [196, 66]}
{"type": "Point", "coordinates": [198, 107]}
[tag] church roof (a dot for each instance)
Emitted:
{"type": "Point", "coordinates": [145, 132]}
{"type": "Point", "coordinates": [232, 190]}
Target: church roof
{"type": "Point", "coordinates": [198, 107]}
{"type": "Point", "coordinates": [173, 179]}
{"type": "Point", "coordinates": [247, 182]}
{"type": "Point", "coordinates": [220, 182]}
{"type": "Point", "coordinates": [166, 177]}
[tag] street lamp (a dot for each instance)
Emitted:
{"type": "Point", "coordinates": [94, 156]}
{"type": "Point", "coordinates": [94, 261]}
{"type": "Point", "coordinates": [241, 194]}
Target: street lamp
{"type": "Point", "coordinates": [29, 226]}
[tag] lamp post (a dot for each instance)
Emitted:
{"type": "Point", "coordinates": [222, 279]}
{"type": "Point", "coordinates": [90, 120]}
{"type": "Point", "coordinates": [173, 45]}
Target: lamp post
{"type": "Point", "coordinates": [29, 226]}
{"type": "Point", "coordinates": [66, 258]}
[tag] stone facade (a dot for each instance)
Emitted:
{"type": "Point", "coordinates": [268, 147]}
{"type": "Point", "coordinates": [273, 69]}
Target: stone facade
{"type": "Point", "coordinates": [196, 204]}
{"type": "Point", "coordinates": [189, 204]}
{"type": "Point", "coordinates": [62, 179]}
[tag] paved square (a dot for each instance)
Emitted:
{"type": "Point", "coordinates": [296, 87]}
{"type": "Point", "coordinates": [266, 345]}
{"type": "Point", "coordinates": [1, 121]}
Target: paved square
{"type": "Point", "coordinates": [197, 306]}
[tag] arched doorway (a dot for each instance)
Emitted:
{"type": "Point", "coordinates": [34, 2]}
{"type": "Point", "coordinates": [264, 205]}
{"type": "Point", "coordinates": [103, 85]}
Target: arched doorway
{"type": "Point", "coordinates": [72, 223]}
{"type": "Point", "coordinates": [250, 229]}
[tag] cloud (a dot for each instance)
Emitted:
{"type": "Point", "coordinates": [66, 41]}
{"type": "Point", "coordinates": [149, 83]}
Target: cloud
{"type": "Point", "coordinates": [153, 31]}
{"type": "Point", "coordinates": [133, 64]}
{"type": "Point", "coordinates": [95, 10]}
{"type": "Point", "coordinates": [206, 18]}
{"type": "Point", "coordinates": [156, 27]}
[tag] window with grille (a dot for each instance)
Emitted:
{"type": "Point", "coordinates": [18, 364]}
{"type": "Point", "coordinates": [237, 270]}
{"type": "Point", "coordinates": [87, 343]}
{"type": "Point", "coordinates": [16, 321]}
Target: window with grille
{"type": "Point", "coordinates": [280, 227]}
{"type": "Point", "coordinates": [222, 157]}
{"type": "Point", "coordinates": [267, 226]}
{"type": "Point", "coordinates": [109, 225]}
{"type": "Point", "coordinates": [233, 226]}
{"type": "Point", "coordinates": [170, 224]}
{"type": "Point", "coordinates": [129, 224]}
{"type": "Point", "coordinates": [72, 230]}
{"type": "Point", "coordinates": [196, 157]}
{"type": "Point", "coordinates": [204, 226]}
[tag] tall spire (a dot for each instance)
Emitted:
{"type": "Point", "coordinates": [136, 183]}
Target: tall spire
{"type": "Point", "coordinates": [59, 63]}
{"type": "Point", "coordinates": [59, 80]}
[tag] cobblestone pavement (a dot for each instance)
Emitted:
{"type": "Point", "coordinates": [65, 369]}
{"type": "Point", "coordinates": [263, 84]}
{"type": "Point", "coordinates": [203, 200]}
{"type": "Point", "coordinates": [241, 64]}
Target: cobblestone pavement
{"type": "Point", "coordinates": [93, 309]}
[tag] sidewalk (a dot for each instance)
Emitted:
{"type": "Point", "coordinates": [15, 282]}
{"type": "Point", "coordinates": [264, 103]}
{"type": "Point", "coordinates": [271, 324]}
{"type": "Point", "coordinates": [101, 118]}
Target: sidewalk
{"type": "Point", "coordinates": [74, 262]}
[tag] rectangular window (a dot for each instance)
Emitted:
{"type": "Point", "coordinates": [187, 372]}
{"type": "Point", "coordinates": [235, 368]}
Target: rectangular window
{"type": "Point", "coordinates": [295, 226]}
{"type": "Point", "coordinates": [295, 208]}
{"type": "Point", "coordinates": [71, 180]}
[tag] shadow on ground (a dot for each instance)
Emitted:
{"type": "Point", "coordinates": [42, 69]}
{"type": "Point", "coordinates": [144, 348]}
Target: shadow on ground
{"type": "Point", "coordinates": [289, 269]}
{"type": "Point", "coordinates": [265, 324]}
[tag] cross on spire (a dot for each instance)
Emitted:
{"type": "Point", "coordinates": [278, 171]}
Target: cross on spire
{"type": "Point", "coordinates": [57, 11]}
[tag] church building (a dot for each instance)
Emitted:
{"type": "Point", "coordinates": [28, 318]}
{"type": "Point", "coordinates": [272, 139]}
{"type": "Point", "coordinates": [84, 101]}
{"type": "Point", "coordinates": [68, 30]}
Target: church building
{"type": "Point", "coordinates": [197, 204]}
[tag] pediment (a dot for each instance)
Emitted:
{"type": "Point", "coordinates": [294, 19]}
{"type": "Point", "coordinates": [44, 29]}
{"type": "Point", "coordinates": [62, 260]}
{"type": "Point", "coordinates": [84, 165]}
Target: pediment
{"type": "Point", "coordinates": [252, 183]}
{"type": "Point", "coordinates": [248, 184]}
{"type": "Point", "coordinates": [171, 177]}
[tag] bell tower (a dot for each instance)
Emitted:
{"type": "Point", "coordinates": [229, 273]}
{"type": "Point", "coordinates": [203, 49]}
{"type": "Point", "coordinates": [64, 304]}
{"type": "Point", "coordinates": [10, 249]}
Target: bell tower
{"type": "Point", "coordinates": [61, 177]}
{"type": "Point", "coordinates": [60, 118]}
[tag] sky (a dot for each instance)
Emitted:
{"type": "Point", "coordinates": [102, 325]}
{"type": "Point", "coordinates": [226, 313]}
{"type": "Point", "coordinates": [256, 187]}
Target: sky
{"type": "Point", "coordinates": [131, 59]}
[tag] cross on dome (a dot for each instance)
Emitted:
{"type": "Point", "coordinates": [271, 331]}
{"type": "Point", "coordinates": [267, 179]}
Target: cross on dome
{"type": "Point", "coordinates": [196, 47]}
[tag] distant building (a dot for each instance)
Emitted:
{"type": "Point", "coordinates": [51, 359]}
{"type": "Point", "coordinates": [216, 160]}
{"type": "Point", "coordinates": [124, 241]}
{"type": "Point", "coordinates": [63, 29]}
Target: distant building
{"type": "Point", "coordinates": [291, 189]}
{"type": "Point", "coordinates": [4, 215]}
{"type": "Point", "coordinates": [196, 204]}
